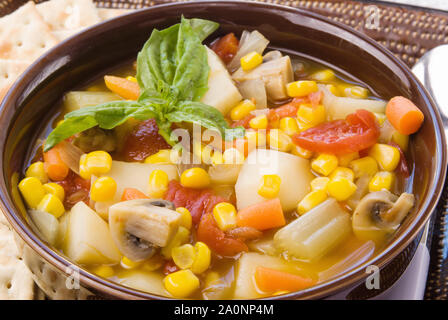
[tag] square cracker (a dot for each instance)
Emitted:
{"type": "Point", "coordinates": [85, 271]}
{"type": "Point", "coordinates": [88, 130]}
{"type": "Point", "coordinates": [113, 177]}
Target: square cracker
{"type": "Point", "coordinates": [106, 14]}
{"type": "Point", "coordinates": [68, 14]}
{"type": "Point", "coordinates": [24, 35]}
{"type": "Point", "coordinates": [10, 70]}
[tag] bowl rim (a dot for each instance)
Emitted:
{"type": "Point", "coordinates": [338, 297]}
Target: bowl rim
{"type": "Point", "coordinates": [326, 288]}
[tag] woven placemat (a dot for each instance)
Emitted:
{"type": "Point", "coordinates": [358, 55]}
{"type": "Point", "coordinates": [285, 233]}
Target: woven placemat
{"type": "Point", "coordinates": [407, 31]}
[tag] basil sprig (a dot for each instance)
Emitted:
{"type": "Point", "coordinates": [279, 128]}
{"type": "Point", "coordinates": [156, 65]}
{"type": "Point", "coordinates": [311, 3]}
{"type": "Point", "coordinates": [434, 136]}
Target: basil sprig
{"type": "Point", "coordinates": [172, 73]}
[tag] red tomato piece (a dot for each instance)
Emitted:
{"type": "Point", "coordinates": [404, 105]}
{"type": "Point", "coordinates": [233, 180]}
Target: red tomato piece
{"type": "Point", "coordinates": [357, 132]}
{"type": "Point", "coordinates": [76, 189]}
{"type": "Point", "coordinates": [226, 47]}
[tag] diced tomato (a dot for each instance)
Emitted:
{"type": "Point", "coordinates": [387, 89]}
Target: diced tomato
{"type": "Point", "coordinates": [226, 47]}
{"type": "Point", "coordinates": [315, 97]}
{"type": "Point", "coordinates": [144, 140]}
{"type": "Point", "coordinates": [169, 267]}
{"type": "Point", "coordinates": [76, 189]}
{"type": "Point", "coordinates": [403, 167]}
{"type": "Point", "coordinates": [217, 240]}
{"type": "Point", "coordinates": [357, 132]}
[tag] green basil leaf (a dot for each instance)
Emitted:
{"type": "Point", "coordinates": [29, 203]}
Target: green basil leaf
{"type": "Point", "coordinates": [203, 28]}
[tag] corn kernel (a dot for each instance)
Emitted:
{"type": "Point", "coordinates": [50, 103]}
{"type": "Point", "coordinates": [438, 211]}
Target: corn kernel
{"type": "Point", "coordinates": [163, 156]}
{"type": "Point", "coordinates": [301, 88]}
{"type": "Point", "coordinates": [341, 172]}
{"type": "Point", "coordinates": [303, 125]}
{"type": "Point", "coordinates": [153, 263]}
{"type": "Point", "coordinates": [242, 109]}
{"type": "Point", "coordinates": [203, 257]}
{"type": "Point", "coordinates": [211, 279]}
{"type": "Point", "coordinates": [311, 200]}
{"type": "Point", "coordinates": [182, 236]}
{"type": "Point", "coordinates": [207, 154]}
{"type": "Point", "coordinates": [83, 170]}
{"type": "Point", "coordinates": [289, 125]}
{"type": "Point", "coordinates": [311, 115]}
{"type": "Point", "coordinates": [131, 78]}
{"type": "Point", "coordinates": [103, 271]}
{"type": "Point", "coordinates": [103, 189]}
{"type": "Point", "coordinates": [324, 164]}
{"type": "Point", "coordinates": [279, 140]}
{"type": "Point", "coordinates": [196, 178]}
{"type": "Point", "coordinates": [334, 90]}
{"type": "Point", "coordinates": [51, 204]}
{"type": "Point", "coordinates": [364, 166]}
{"type": "Point", "coordinates": [323, 75]}
{"type": "Point", "coordinates": [341, 188]}
{"type": "Point", "coordinates": [401, 139]}
{"type": "Point", "coordinates": [345, 159]}
{"type": "Point", "coordinates": [386, 156]}
{"type": "Point", "coordinates": [251, 61]}
{"type": "Point", "coordinates": [55, 189]}
{"type": "Point", "coordinates": [37, 170]}
{"type": "Point", "coordinates": [32, 191]}
{"type": "Point", "coordinates": [185, 217]}
{"type": "Point", "coordinates": [356, 92]}
{"type": "Point", "coordinates": [320, 183]}
{"type": "Point", "coordinates": [129, 264]}
{"type": "Point", "coordinates": [181, 284]}
{"type": "Point", "coordinates": [300, 152]}
{"type": "Point", "coordinates": [382, 180]}
{"type": "Point", "coordinates": [259, 122]}
{"type": "Point", "coordinates": [225, 215]}
{"type": "Point", "coordinates": [381, 117]}
{"type": "Point", "coordinates": [233, 156]}
{"type": "Point", "coordinates": [158, 183]}
{"type": "Point", "coordinates": [183, 256]}
{"type": "Point", "coordinates": [270, 186]}
{"type": "Point", "coordinates": [255, 139]}
{"type": "Point", "coordinates": [98, 162]}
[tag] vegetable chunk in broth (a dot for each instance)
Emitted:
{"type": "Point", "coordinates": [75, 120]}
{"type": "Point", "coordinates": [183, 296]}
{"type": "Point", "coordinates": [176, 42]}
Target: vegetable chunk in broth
{"type": "Point", "coordinates": [228, 171]}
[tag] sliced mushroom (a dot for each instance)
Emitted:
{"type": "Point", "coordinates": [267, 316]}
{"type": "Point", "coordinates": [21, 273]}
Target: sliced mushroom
{"type": "Point", "coordinates": [140, 226]}
{"type": "Point", "coordinates": [380, 213]}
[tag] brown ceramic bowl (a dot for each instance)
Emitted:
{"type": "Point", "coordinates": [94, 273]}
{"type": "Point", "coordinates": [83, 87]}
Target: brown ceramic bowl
{"type": "Point", "coordinates": [34, 97]}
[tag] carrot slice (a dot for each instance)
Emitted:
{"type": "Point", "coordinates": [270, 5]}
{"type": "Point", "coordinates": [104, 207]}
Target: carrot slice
{"type": "Point", "coordinates": [132, 194]}
{"type": "Point", "coordinates": [123, 87]}
{"type": "Point", "coordinates": [271, 280]}
{"type": "Point", "coordinates": [262, 216]}
{"type": "Point", "coordinates": [404, 115]}
{"type": "Point", "coordinates": [55, 168]}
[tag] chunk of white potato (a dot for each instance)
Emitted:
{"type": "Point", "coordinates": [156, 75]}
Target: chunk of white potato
{"type": "Point", "coordinates": [222, 92]}
{"type": "Point", "coordinates": [75, 100]}
{"type": "Point", "coordinates": [88, 238]}
{"type": "Point", "coordinates": [294, 172]}
{"type": "Point", "coordinates": [47, 224]}
{"type": "Point", "coordinates": [314, 234]}
{"type": "Point", "coordinates": [147, 281]}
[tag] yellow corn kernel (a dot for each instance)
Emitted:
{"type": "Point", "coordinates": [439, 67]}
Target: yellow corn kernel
{"type": "Point", "coordinates": [129, 264]}
{"type": "Point", "coordinates": [311, 115]}
{"type": "Point", "coordinates": [203, 256]}
{"type": "Point", "coordinates": [255, 139]}
{"type": "Point", "coordinates": [103, 271]}
{"type": "Point", "coordinates": [83, 170]}
{"type": "Point", "coordinates": [196, 178]}
{"type": "Point", "coordinates": [185, 217]}
{"type": "Point", "coordinates": [356, 92]}
{"type": "Point", "coordinates": [311, 200]}
{"type": "Point", "coordinates": [183, 256]}
{"type": "Point", "coordinates": [270, 186]}
{"type": "Point", "coordinates": [320, 183]}
{"type": "Point", "coordinates": [242, 110]}
{"type": "Point", "coordinates": [386, 156]}
{"type": "Point", "coordinates": [207, 153]}
{"type": "Point", "coordinates": [103, 189]}
{"type": "Point", "coordinates": [401, 139]}
{"type": "Point", "coordinates": [251, 61]}
{"type": "Point", "coordinates": [324, 164]}
{"type": "Point", "coordinates": [323, 75]}
{"type": "Point", "coordinates": [341, 188]}
{"type": "Point", "coordinates": [216, 158]}
{"type": "Point", "coordinates": [225, 215]}
{"type": "Point", "coordinates": [364, 166]}
{"type": "Point", "coordinates": [333, 89]}
{"type": "Point", "coordinates": [300, 152]}
{"type": "Point", "coordinates": [345, 159]}
{"type": "Point", "coordinates": [211, 279]}
{"type": "Point", "coordinates": [182, 236]}
{"type": "Point", "coordinates": [51, 204]}
{"type": "Point", "coordinates": [131, 78]}
{"type": "Point", "coordinates": [32, 191]}
{"type": "Point", "coordinates": [163, 156]}
{"type": "Point", "coordinates": [289, 125]}
{"type": "Point", "coordinates": [301, 88]}
{"type": "Point", "coordinates": [381, 117]}
{"type": "Point", "coordinates": [279, 140]}
{"type": "Point", "coordinates": [303, 125]}
{"type": "Point", "coordinates": [97, 163]}
{"type": "Point", "coordinates": [233, 156]}
{"type": "Point", "coordinates": [259, 122]}
{"type": "Point", "coordinates": [158, 184]}
{"type": "Point", "coordinates": [37, 170]}
{"type": "Point", "coordinates": [153, 263]}
{"type": "Point", "coordinates": [342, 172]}
{"type": "Point", "coordinates": [55, 189]}
{"type": "Point", "coordinates": [181, 284]}
{"type": "Point", "coordinates": [382, 180]}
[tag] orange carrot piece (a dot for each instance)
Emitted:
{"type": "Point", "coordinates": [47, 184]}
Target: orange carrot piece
{"type": "Point", "coordinates": [404, 115]}
{"type": "Point", "coordinates": [132, 194]}
{"type": "Point", "coordinates": [262, 216]}
{"type": "Point", "coordinates": [271, 280]}
{"type": "Point", "coordinates": [123, 87]}
{"type": "Point", "coordinates": [55, 168]}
